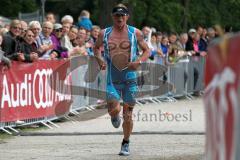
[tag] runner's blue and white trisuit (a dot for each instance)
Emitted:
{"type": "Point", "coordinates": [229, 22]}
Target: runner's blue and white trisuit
{"type": "Point", "coordinates": [121, 83]}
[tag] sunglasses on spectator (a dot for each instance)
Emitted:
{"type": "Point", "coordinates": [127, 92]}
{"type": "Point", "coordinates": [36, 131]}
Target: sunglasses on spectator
{"type": "Point", "coordinates": [15, 27]}
{"type": "Point", "coordinates": [29, 35]}
{"type": "Point", "coordinates": [58, 30]}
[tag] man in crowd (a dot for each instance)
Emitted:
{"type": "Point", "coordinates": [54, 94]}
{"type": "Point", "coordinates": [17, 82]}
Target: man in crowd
{"type": "Point", "coordinates": [11, 41]}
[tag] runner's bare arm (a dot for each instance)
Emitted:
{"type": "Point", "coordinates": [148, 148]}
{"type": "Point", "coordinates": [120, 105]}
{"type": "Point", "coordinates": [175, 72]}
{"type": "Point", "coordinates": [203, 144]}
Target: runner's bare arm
{"type": "Point", "coordinates": [146, 52]}
{"type": "Point", "coordinates": [143, 45]}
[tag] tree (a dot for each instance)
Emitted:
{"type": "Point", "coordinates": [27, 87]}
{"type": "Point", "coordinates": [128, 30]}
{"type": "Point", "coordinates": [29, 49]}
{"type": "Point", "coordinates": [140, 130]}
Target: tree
{"type": "Point", "coordinates": [185, 4]}
{"type": "Point", "coordinates": [164, 15]}
{"type": "Point", "coordinates": [11, 8]}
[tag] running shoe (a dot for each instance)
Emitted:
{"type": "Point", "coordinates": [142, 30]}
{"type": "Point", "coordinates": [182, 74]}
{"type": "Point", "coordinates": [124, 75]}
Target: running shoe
{"type": "Point", "coordinates": [116, 121]}
{"type": "Point", "coordinates": [125, 150]}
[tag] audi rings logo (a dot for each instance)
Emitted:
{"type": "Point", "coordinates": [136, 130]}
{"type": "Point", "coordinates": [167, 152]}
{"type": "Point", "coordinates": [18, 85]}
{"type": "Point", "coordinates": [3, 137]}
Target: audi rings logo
{"type": "Point", "coordinates": [44, 78]}
{"type": "Point", "coordinates": [41, 90]}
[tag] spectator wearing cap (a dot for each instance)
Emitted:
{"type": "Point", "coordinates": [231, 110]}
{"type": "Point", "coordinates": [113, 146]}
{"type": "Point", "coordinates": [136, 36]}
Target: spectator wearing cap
{"type": "Point", "coordinates": [194, 46]}
{"type": "Point", "coordinates": [189, 44]}
{"type": "Point", "coordinates": [58, 50]}
{"type": "Point", "coordinates": [192, 30]}
{"type": "Point", "coordinates": [56, 35]}
{"type": "Point", "coordinates": [195, 43]}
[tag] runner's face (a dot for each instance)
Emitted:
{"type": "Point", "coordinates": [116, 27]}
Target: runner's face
{"type": "Point", "coordinates": [120, 20]}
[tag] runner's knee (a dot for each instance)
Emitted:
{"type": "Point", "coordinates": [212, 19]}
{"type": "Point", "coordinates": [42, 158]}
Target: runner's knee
{"type": "Point", "coordinates": [127, 113]}
{"type": "Point", "coordinates": [113, 108]}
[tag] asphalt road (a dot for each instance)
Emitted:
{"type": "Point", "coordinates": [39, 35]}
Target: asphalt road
{"type": "Point", "coordinates": [167, 131]}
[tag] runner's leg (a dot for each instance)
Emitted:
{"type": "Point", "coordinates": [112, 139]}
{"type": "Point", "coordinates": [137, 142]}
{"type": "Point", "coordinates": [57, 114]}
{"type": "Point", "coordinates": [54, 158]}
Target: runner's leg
{"type": "Point", "coordinates": [128, 122]}
{"type": "Point", "coordinates": [114, 108]}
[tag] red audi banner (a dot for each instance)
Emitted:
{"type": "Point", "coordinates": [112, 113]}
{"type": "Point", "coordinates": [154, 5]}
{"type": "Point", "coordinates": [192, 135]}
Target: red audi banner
{"type": "Point", "coordinates": [34, 90]}
{"type": "Point", "coordinates": [222, 99]}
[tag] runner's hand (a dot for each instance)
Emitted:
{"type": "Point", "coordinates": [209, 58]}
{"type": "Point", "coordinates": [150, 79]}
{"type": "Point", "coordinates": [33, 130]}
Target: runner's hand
{"type": "Point", "coordinates": [133, 65]}
{"type": "Point", "coordinates": [101, 63]}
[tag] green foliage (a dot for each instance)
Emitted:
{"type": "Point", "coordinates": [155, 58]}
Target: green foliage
{"type": "Point", "coordinates": [65, 7]}
{"type": "Point", "coordinates": [28, 6]}
{"type": "Point", "coordinates": [164, 15]}
{"type": "Point", "coordinates": [10, 8]}
{"type": "Point", "coordinates": [168, 15]}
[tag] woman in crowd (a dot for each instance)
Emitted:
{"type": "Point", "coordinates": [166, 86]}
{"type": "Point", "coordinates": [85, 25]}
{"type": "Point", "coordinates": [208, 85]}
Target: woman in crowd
{"type": "Point", "coordinates": [58, 50]}
{"type": "Point", "coordinates": [28, 48]}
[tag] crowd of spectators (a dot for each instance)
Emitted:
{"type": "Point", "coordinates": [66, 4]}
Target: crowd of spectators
{"type": "Point", "coordinates": [167, 48]}
{"type": "Point", "coordinates": [28, 42]}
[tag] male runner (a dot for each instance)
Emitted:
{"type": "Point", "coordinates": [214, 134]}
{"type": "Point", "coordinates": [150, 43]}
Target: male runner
{"type": "Point", "coordinates": [121, 43]}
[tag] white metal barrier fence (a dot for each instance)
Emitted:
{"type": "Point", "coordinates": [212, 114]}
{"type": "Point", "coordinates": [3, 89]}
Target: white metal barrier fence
{"type": "Point", "coordinates": [177, 80]}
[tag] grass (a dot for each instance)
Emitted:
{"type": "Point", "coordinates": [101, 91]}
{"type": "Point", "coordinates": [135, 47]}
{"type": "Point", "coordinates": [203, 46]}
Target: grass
{"type": "Point", "coordinates": [38, 127]}
{"type": "Point", "coordinates": [4, 136]}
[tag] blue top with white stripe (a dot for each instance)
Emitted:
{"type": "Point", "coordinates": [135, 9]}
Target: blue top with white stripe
{"type": "Point", "coordinates": [113, 74]}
